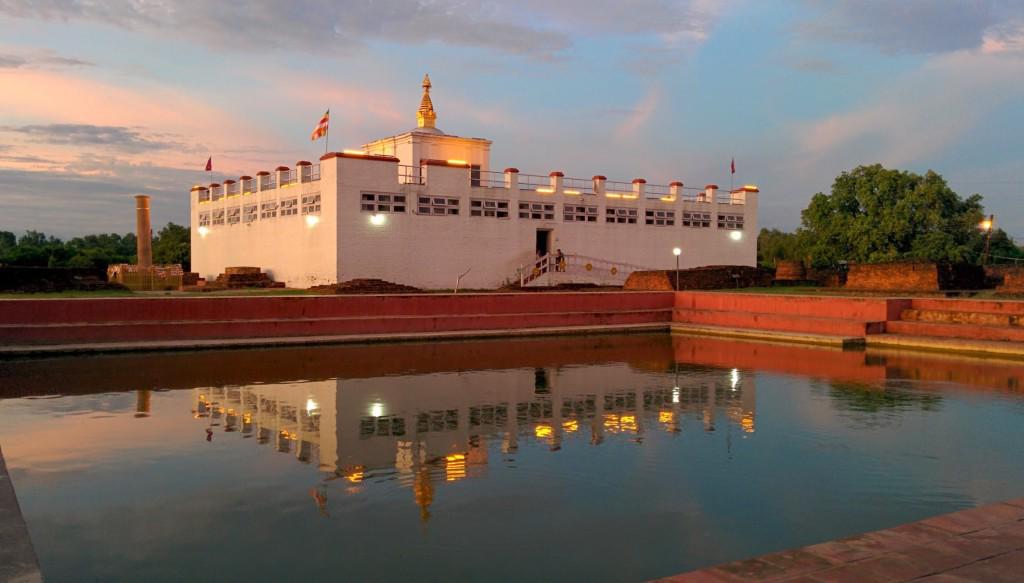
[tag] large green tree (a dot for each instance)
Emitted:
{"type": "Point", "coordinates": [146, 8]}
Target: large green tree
{"type": "Point", "coordinates": [773, 245]}
{"type": "Point", "coordinates": [876, 214]}
{"type": "Point", "coordinates": [172, 245]}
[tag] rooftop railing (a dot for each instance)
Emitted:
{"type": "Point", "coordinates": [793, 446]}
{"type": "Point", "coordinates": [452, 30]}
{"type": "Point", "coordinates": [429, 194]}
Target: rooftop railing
{"type": "Point", "coordinates": [217, 193]}
{"type": "Point", "coordinates": [409, 175]}
{"type": "Point", "coordinates": [268, 182]}
{"type": "Point", "coordinates": [233, 189]}
{"type": "Point", "coordinates": [657, 190]}
{"type": "Point", "coordinates": [533, 181]}
{"type": "Point", "coordinates": [288, 177]}
{"type": "Point", "coordinates": [248, 186]}
{"type": "Point", "coordinates": [490, 179]}
{"type": "Point", "coordinates": [581, 185]}
{"type": "Point", "coordinates": [309, 173]}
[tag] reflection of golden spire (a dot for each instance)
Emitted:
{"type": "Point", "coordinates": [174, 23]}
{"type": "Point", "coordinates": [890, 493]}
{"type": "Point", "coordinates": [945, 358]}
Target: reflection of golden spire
{"type": "Point", "coordinates": [425, 116]}
{"type": "Point", "coordinates": [423, 491]}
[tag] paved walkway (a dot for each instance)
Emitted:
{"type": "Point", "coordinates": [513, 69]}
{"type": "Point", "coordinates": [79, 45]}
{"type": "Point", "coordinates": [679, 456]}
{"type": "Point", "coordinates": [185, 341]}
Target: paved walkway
{"type": "Point", "coordinates": [17, 558]}
{"type": "Point", "coordinates": [981, 544]}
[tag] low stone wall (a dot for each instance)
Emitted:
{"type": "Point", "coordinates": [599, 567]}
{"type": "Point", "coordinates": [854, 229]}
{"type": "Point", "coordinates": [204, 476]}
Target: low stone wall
{"type": "Point", "coordinates": [1008, 279]}
{"type": "Point", "coordinates": [52, 279]}
{"type": "Point", "coordinates": [710, 277]}
{"type": "Point", "coordinates": [914, 277]}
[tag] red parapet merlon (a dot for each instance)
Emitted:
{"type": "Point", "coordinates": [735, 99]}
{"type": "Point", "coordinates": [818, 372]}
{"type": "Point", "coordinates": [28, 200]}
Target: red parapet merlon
{"type": "Point", "coordinates": [639, 181]}
{"type": "Point", "coordinates": [556, 174]}
{"type": "Point", "coordinates": [676, 183]}
{"type": "Point", "coordinates": [303, 163]}
{"type": "Point", "coordinates": [511, 171]}
{"type": "Point", "coordinates": [599, 177]}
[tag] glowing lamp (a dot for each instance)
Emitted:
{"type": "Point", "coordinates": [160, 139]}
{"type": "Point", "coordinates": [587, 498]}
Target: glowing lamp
{"type": "Point", "coordinates": [376, 410]}
{"type": "Point", "coordinates": [312, 220]}
{"type": "Point", "coordinates": [677, 251]}
{"type": "Point", "coordinates": [986, 225]}
{"type": "Point", "coordinates": [736, 235]}
{"type": "Point", "coordinates": [571, 192]}
{"type": "Point", "coordinates": [204, 231]}
{"type": "Point", "coordinates": [378, 219]}
{"type": "Point", "coordinates": [545, 190]}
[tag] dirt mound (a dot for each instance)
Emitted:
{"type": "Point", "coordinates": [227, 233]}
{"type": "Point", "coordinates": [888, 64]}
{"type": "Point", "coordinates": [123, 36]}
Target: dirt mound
{"type": "Point", "coordinates": [364, 286]}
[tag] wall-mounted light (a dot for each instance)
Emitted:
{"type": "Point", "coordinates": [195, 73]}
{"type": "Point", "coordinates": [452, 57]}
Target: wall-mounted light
{"type": "Point", "coordinates": [458, 162]}
{"type": "Point", "coordinates": [378, 219]}
{"type": "Point", "coordinates": [376, 410]}
{"type": "Point", "coordinates": [312, 220]}
{"type": "Point", "coordinates": [571, 192]}
{"type": "Point", "coordinates": [545, 190]}
{"type": "Point", "coordinates": [736, 235]}
{"type": "Point", "coordinates": [204, 231]}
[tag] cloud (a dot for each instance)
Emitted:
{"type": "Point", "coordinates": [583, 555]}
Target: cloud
{"type": "Point", "coordinates": [316, 26]}
{"type": "Point", "coordinates": [911, 26]}
{"type": "Point", "coordinates": [38, 58]}
{"type": "Point", "coordinates": [639, 115]}
{"type": "Point", "coordinates": [125, 139]}
{"type": "Point", "coordinates": [534, 28]}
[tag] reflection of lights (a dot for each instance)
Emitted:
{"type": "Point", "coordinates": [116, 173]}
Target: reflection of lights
{"type": "Point", "coordinates": [611, 422]}
{"type": "Point", "coordinates": [204, 231]}
{"type": "Point", "coordinates": [628, 423]}
{"type": "Point", "coordinates": [455, 467]}
{"type": "Point", "coordinates": [666, 417]}
{"type": "Point", "coordinates": [543, 431]}
{"type": "Point", "coordinates": [376, 410]}
{"type": "Point", "coordinates": [378, 219]}
{"type": "Point", "coordinates": [748, 423]}
{"type": "Point", "coordinates": [311, 405]}
{"type": "Point", "coordinates": [312, 220]}
{"type": "Point", "coordinates": [570, 426]}
{"type": "Point", "coordinates": [247, 418]}
{"type": "Point", "coordinates": [736, 235]}
{"type": "Point", "coordinates": [675, 394]}
{"type": "Point", "coordinates": [734, 378]}
{"type": "Point", "coordinates": [355, 475]}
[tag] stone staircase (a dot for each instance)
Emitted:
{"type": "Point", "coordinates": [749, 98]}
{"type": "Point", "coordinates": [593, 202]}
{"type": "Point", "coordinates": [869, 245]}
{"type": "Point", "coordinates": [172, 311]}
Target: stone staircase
{"type": "Point", "coordinates": [1001, 321]}
{"type": "Point", "coordinates": [812, 319]}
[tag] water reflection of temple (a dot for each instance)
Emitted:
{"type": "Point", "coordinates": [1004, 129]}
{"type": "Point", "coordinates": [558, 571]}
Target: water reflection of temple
{"type": "Point", "coordinates": [433, 427]}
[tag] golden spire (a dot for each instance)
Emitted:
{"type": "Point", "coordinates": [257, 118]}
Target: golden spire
{"type": "Point", "coordinates": [425, 116]}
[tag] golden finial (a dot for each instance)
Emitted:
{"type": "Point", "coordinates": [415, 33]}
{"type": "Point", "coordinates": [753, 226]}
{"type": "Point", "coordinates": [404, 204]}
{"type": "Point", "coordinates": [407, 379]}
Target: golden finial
{"type": "Point", "coordinates": [425, 116]}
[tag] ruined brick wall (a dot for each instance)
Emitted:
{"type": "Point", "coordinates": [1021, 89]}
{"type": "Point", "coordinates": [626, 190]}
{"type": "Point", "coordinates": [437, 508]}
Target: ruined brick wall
{"type": "Point", "coordinates": [1006, 278]}
{"type": "Point", "coordinates": [710, 277]}
{"type": "Point", "coordinates": [893, 277]}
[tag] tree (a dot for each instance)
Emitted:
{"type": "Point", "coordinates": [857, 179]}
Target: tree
{"type": "Point", "coordinates": [172, 245]}
{"type": "Point", "coordinates": [773, 244]}
{"type": "Point", "coordinates": [875, 214]}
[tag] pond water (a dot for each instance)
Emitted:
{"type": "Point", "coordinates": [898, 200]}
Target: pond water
{"type": "Point", "coordinates": [604, 458]}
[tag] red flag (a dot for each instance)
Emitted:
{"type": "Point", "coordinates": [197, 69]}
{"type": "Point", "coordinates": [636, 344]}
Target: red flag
{"type": "Point", "coordinates": [732, 166]}
{"type": "Point", "coordinates": [209, 164]}
{"type": "Point", "coordinates": [321, 127]}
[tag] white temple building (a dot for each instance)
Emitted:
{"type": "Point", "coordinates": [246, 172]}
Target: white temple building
{"type": "Point", "coordinates": [424, 208]}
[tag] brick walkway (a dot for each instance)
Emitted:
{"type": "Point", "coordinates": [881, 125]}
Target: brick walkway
{"type": "Point", "coordinates": [981, 544]}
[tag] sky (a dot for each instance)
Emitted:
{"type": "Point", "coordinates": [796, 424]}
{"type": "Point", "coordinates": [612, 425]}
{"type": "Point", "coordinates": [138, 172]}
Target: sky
{"type": "Point", "coordinates": [105, 99]}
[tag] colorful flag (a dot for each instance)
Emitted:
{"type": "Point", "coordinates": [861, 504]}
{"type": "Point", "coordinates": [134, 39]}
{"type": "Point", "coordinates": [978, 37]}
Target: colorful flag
{"type": "Point", "coordinates": [321, 128]}
{"type": "Point", "coordinates": [732, 166]}
{"type": "Point", "coordinates": [209, 164]}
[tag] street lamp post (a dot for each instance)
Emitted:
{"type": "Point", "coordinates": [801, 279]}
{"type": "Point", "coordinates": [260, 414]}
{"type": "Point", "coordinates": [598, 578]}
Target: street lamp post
{"type": "Point", "coordinates": [986, 226]}
{"type": "Point", "coordinates": [677, 252]}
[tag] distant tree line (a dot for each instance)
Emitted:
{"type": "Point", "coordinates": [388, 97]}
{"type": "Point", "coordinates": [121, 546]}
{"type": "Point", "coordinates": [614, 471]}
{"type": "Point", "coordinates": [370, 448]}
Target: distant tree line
{"type": "Point", "coordinates": [35, 249]}
{"type": "Point", "coordinates": [875, 214]}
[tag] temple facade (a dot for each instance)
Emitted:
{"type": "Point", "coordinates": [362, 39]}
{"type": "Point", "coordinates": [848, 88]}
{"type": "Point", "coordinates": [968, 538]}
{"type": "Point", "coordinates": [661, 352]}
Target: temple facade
{"type": "Point", "coordinates": [424, 208]}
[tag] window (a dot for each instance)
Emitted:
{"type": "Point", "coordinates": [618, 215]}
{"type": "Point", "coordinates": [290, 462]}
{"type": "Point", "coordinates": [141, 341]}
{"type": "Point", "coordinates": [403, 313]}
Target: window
{"type": "Point", "coordinates": [474, 175]}
{"type": "Point", "coordinates": [375, 202]}
{"type": "Point", "coordinates": [730, 221]}
{"type": "Point", "coordinates": [660, 218]}
{"type": "Point", "coordinates": [204, 219]}
{"type": "Point", "coordinates": [218, 217]}
{"type": "Point", "coordinates": [268, 210]}
{"type": "Point", "coordinates": [620, 215]}
{"type": "Point", "coordinates": [578, 213]}
{"type": "Point", "coordinates": [702, 220]}
{"type": "Point", "coordinates": [289, 207]}
{"type": "Point", "coordinates": [488, 208]}
{"type": "Point", "coordinates": [234, 215]}
{"type": "Point", "coordinates": [310, 203]}
{"type": "Point", "coordinates": [249, 213]}
{"type": "Point", "coordinates": [437, 206]}
{"type": "Point", "coordinates": [537, 211]}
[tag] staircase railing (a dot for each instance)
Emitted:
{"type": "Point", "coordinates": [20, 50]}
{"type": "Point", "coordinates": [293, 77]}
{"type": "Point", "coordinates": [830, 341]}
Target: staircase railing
{"type": "Point", "coordinates": [578, 267]}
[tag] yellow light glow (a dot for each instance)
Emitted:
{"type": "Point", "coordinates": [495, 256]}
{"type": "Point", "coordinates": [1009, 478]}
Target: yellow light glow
{"type": "Point", "coordinates": [986, 225]}
{"type": "Point", "coordinates": [311, 405]}
{"type": "Point", "coordinates": [570, 426]}
{"type": "Point", "coordinates": [572, 192]}
{"type": "Point", "coordinates": [677, 251]}
{"type": "Point", "coordinates": [355, 476]}
{"type": "Point", "coordinates": [543, 431]}
{"type": "Point", "coordinates": [312, 220]}
{"type": "Point", "coordinates": [748, 423]}
{"type": "Point", "coordinates": [666, 417]}
{"type": "Point", "coordinates": [628, 423]}
{"type": "Point", "coordinates": [736, 235]}
{"type": "Point", "coordinates": [629, 196]}
{"type": "Point", "coordinates": [455, 467]}
{"type": "Point", "coordinates": [750, 186]}
{"type": "Point", "coordinates": [204, 231]}
{"type": "Point", "coordinates": [459, 162]}
{"type": "Point", "coordinates": [668, 199]}
{"type": "Point", "coordinates": [354, 152]}
{"type": "Point", "coordinates": [455, 457]}
{"type": "Point", "coordinates": [545, 190]}
{"type": "Point", "coordinates": [376, 410]}
{"type": "Point", "coordinates": [378, 219]}
{"type": "Point", "coordinates": [612, 195]}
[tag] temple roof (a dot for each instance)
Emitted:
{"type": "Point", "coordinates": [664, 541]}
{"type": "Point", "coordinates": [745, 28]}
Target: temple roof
{"type": "Point", "coordinates": [425, 115]}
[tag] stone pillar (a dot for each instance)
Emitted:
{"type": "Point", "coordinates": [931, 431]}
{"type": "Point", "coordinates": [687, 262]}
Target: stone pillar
{"type": "Point", "coordinates": [639, 188]}
{"type": "Point", "coordinates": [143, 232]}
{"type": "Point", "coordinates": [512, 178]}
{"type": "Point", "coordinates": [599, 185]}
{"type": "Point", "coordinates": [675, 190]}
{"type": "Point", "coordinates": [557, 181]}
{"type": "Point", "coordinates": [709, 193]}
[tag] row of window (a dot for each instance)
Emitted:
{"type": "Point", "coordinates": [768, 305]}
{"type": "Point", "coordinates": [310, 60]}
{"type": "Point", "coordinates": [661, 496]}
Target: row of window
{"type": "Point", "coordinates": [267, 210]}
{"type": "Point", "coordinates": [541, 211]}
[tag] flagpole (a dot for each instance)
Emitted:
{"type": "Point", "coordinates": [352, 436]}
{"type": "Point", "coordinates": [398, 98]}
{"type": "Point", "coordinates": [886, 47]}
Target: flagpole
{"type": "Point", "coordinates": [732, 173]}
{"type": "Point", "coordinates": [327, 136]}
